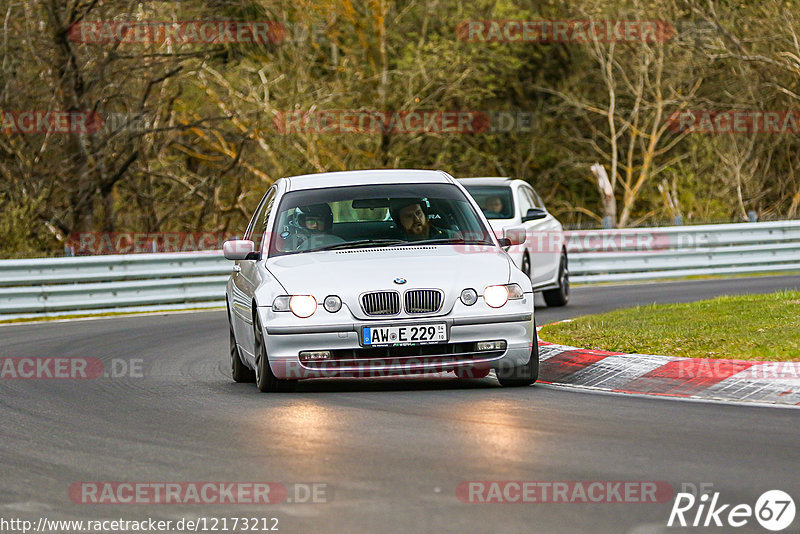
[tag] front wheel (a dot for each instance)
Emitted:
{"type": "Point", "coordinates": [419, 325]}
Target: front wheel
{"type": "Point", "coordinates": [522, 375]}
{"type": "Point", "coordinates": [265, 379]}
{"type": "Point", "coordinates": [560, 295]}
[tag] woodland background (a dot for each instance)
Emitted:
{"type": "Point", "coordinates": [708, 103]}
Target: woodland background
{"type": "Point", "coordinates": [198, 146]}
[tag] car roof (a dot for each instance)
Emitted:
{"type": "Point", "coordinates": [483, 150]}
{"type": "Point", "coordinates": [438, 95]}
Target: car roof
{"type": "Point", "coordinates": [466, 182]}
{"type": "Point", "coordinates": [365, 177]}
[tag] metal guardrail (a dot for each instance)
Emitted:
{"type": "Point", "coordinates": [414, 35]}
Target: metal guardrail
{"type": "Point", "coordinates": [675, 252]}
{"type": "Point", "coordinates": [144, 282]}
{"type": "Point", "coordinates": [101, 284]}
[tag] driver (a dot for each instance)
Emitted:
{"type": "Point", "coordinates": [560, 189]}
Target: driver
{"type": "Point", "coordinates": [493, 206]}
{"type": "Point", "coordinates": [317, 218]}
{"type": "Point", "coordinates": [312, 227]}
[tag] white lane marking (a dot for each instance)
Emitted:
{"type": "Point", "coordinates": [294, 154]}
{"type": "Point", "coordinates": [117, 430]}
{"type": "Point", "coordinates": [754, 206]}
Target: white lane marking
{"type": "Point", "coordinates": [761, 390]}
{"type": "Point", "coordinates": [720, 401]}
{"type": "Point", "coordinates": [749, 386]}
{"type": "Point", "coordinates": [613, 372]}
{"type": "Point", "coordinates": [26, 506]}
{"type": "Point", "coordinates": [548, 351]}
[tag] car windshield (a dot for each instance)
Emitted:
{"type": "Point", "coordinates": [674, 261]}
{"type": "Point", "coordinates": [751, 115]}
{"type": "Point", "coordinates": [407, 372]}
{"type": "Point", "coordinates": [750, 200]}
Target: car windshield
{"type": "Point", "coordinates": [375, 216]}
{"type": "Point", "coordinates": [497, 202]}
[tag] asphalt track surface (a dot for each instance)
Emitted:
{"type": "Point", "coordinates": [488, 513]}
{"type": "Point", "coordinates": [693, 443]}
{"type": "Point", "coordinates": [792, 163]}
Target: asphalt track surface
{"type": "Point", "coordinates": [392, 451]}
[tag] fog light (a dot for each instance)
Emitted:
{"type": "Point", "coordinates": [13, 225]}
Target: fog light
{"type": "Point", "coordinates": [469, 297]}
{"type": "Point", "coordinates": [332, 303]}
{"type": "Point", "coordinates": [315, 355]}
{"type": "Point", "coordinates": [491, 345]}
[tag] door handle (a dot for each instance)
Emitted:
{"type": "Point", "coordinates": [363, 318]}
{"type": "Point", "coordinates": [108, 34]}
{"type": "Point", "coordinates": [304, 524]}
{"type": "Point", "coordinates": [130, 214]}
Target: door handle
{"type": "Point", "coordinates": [237, 268]}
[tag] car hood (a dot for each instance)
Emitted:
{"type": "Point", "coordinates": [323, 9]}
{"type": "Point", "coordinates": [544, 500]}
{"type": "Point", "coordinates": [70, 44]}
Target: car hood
{"type": "Point", "coordinates": [349, 273]}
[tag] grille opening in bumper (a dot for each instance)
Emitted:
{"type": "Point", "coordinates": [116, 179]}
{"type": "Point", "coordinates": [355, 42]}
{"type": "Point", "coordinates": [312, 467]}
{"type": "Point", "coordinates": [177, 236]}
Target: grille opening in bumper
{"type": "Point", "coordinates": [375, 358]}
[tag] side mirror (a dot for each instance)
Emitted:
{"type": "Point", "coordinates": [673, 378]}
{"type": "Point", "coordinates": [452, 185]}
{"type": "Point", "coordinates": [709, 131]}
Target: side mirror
{"type": "Point", "coordinates": [239, 249]}
{"type": "Point", "coordinates": [514, 235]}
{"type": "Point", "coordinates": [534, 214]}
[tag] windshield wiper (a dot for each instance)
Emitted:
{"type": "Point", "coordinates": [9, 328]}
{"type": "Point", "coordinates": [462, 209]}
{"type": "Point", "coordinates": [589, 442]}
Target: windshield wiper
{"type": "Point", "coordinates": [448, 241]}
{"type": "Point", "coordinates": [363, 243]}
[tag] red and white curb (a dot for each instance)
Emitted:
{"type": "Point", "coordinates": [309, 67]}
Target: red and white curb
{"type": "Point", "coordinates": [688, 378]}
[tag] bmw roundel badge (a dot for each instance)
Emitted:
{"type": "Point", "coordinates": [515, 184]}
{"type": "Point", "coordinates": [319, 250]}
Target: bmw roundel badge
{"type": "Point", "coordinates": [400, 281]}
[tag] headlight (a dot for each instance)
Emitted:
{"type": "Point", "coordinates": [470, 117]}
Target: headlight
{"type": "Point", "coordinates": [300, 305]}
{"type": "Point", "coordinates": [497, 296]}
{"type": "Point", "coordinates": [332, 303]}
{"type": "Point", "coordinates": [303, 305]}
{"type": "Point", "coordinates": [469, 296]}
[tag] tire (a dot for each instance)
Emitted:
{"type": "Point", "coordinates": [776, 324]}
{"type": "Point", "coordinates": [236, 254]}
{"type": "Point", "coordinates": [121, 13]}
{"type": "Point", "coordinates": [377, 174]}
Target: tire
{"type": "Point", "coordinates": [265, 380]}
{"type": "Point", "coordinates": [526, 265]}
{"type": "Point", "coordinates": [560, 295]}
{"type": "Point", "coordinates": [239, 371]}
{"type": "Point", "coordinates": [522, 375]}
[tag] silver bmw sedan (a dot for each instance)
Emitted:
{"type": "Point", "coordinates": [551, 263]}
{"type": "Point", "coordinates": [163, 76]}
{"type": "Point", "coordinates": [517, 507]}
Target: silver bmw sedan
{"type": "Point", "coordinates": [375, 273]}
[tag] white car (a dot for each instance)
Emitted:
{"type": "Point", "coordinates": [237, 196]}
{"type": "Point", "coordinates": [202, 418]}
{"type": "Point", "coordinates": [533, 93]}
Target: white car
{"type": "Point", "coordinates": [543, 256]}
{"type": "Point", "coordinates": [371, 273]}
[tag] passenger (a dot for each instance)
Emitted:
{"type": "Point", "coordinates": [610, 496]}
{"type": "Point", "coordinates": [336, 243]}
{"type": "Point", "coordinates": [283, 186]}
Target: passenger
{"type": "Point", "coordinates": [411, 217]}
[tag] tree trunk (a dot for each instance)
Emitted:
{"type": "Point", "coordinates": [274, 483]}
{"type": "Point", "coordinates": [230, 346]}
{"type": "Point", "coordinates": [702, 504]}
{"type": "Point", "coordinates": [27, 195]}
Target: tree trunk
{"type": "Point", "coordinates": [609, 202]}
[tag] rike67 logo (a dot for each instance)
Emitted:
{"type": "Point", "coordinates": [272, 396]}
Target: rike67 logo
{"type": "Point", "coordinates": [774, 510]}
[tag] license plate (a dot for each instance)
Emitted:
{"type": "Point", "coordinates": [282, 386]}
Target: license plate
{"type": "Point", "coordinates": [385, 336]}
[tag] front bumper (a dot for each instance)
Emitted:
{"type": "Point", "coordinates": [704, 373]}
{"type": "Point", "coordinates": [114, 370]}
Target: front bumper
{"type": "Point", "coordinates": [285, 341]}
